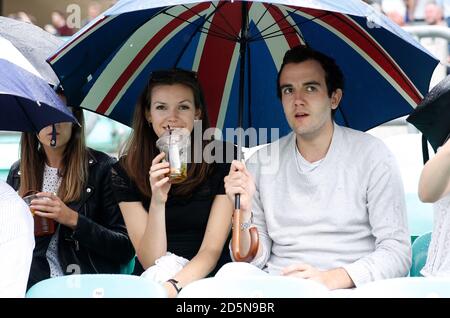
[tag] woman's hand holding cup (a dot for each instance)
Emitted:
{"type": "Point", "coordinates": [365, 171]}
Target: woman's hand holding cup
{"type": "Point", "coordinates": [159, 180]}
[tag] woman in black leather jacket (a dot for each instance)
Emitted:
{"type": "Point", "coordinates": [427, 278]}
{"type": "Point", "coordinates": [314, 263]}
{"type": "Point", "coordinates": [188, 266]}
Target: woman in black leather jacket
{"type": "Point", "coordinates": [90, 234]}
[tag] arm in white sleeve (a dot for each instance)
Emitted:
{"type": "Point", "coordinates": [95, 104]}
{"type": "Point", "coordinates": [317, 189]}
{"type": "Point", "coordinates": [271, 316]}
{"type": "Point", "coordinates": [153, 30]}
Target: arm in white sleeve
{"type": "Point", "coordinates": [388, 219]}
{"type": "Point", "coordinates": [16, 243]}
{"type": "Point", "coordinates": [259, 220]}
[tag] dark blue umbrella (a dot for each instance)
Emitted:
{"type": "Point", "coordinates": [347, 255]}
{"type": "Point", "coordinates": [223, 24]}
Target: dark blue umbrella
{"type": "Point", "coordinates": [237, 48]}
{"type": "Point", "coordinates": [27, 102]}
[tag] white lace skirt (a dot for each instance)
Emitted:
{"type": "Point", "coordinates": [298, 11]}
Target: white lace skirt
{"type": "Point", "coordinates": [438, 260]}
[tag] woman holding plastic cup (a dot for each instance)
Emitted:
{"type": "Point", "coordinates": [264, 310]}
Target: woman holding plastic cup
{"type": "Point", "coordinates": [179, 225]}
{"type": "Point", "coordinates": [78, 225]}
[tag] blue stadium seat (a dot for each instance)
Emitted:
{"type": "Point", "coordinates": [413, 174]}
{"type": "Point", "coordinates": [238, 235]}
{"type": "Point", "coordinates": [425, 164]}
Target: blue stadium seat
{"type": "Point", "coordinates": [419, 254]}
{"type": "Point", "coordinates": [97, 286]}
{"type": "Point", "coordinates": [128, 268]}
{"type": "Point", "coordinates": [420, 215]}
{"type": "Point", "coordinates": [254, 287]}
{"type": "Point", "coordinates": [406, 287]}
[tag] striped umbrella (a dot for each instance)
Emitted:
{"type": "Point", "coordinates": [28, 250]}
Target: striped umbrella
{"type": "Point", "coordinates": [237, 48]}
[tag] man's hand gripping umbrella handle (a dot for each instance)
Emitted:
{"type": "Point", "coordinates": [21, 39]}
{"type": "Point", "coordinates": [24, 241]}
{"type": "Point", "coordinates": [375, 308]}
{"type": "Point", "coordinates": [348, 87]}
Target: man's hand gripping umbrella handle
{"type": "Point", "coordinates": [235, 240]}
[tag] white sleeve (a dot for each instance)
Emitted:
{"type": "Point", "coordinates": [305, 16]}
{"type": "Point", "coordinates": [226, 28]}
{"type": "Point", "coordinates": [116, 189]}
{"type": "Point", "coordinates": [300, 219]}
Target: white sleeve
{"type": "Point", "coordinates": [15, 262]}
{"type": "Point", "coordinates": [259, 221]}
{"type": "Point", "coordinates": [16, 243]}
{"type": "Point", "coordinates": [388, 219]}
{"type": "Point", "coordinates": [265, 242]}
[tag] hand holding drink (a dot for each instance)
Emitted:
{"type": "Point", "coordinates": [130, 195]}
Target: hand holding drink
{"type": "Point", "coordinates": [175, 143]}
{"type": "Point", "coordinates": [48, 208]}
{"type": "Point", "coordinates": [42, 226]}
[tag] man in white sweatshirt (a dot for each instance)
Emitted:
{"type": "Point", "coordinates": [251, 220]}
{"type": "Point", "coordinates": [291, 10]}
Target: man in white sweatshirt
{"type": "Point", "coordinates": [328, 201]}
{"type": "Point", "coordinates": [16, 242]}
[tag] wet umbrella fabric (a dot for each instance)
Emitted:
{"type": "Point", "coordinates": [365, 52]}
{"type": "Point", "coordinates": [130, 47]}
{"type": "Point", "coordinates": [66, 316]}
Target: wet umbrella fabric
{"type": "Point", "coordinates": [34, 43]}
{"type": "Point", "coordinates": [27, 102]}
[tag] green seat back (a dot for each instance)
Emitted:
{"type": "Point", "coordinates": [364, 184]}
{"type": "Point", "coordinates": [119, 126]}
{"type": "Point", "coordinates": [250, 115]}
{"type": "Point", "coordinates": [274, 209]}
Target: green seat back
{"type": "Point", "coordinates": [419, 254]}
{"type": "Point", "coordinates": [128, 268]}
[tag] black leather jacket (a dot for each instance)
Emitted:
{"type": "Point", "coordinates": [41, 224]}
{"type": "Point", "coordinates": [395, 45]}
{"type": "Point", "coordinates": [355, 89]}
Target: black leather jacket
{"type": "Point", "coordinates": [100, 242]}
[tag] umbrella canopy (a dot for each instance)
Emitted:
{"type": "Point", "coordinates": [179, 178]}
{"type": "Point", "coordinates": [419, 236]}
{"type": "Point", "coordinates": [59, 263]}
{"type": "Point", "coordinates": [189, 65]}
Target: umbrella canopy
{"type": "Point", "coordinates": [27, 102]}
{"type": "Point", "coordinates": [432, 116]}
{"type": "Point", "coordinates": [34, 43]}
{"type": "Point", "coordinates": [237, 48]}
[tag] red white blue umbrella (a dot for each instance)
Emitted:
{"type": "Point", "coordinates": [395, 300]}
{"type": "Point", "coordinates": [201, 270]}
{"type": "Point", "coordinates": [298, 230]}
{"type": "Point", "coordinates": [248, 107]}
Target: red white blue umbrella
{"type": "Point", "coordinates": [237, 49]}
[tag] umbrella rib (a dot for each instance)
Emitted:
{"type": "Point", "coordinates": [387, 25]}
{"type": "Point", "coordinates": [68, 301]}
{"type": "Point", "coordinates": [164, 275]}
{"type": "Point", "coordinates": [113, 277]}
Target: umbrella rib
{"type": "Point", "coordinates": [262, 15]}
{"type": "Point", "coordinates": [281, 32]}
{"type": "Point", "coordinates": [208, 16]}
{"type": "Point", "coordinates": [25, 113]}
{"type": "Point", "coordinates": [277, 35]}
{"type": "Point", "coordinates": [199, 29]}
{"type": "Point", "coordinates": [225, 36]}
{"type": "Point", "coordinates": [276, 22]}
{"type": "Point", "coordinates": [233, 31]}
{"type": "Point", "coordinates": [205, 30]}
{"type": "Point", "coordinates": [218, 35]}
{"type": "Point", "coordinates": [249, 88]}
{"type": "Point", "coordinates": [299, 24]}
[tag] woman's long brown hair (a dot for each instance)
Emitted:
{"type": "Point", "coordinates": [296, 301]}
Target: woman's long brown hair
{"type": "Point", "coordinates": [74, 169]}
{"type": "Point", "coordinates": [141, 148]}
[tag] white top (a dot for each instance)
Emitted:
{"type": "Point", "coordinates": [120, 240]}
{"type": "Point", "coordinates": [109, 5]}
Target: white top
{"type": "Point", "coordinates": [16, 243]}
{"type": "Point", "coordinates": [438, 260]}
{"type": "Point", "coordinates": [51, 183]}
{"type": "Point", "coordinates": [303, 164]}
{"type": "Point", "coordinates": [349, 211]}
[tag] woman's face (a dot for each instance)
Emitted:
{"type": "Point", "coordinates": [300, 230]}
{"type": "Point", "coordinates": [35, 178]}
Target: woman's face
{"type": "Point", "coordinates": [172, 106]}
{"type": "Point", "coordinates": [63, 134]}
{"type": "Point", "coordinates": [63, 131]}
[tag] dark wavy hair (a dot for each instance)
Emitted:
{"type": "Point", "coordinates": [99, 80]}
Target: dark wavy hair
{"type": "Point", "coordinates": [334, 78]}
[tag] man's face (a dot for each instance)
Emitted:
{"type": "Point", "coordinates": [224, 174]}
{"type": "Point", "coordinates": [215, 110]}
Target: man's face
{"type": "Point", "coordinates": [305, 99]}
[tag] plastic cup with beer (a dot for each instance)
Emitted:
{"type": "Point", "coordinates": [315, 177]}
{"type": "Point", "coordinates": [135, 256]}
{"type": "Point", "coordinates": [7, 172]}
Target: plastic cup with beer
{"type": "Point", "coordinates": [42, 226]}
{"type": "Point", "coordinates": [175, 144]}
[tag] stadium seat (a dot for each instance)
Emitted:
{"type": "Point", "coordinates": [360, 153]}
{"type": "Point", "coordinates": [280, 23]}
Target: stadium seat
{"type": "Point", "coordinates": [254, 287]}
{"type": "Point", "coordinates": [96, 286]}
{"type": "Point", "coordinates": [419, 254]}
{"type": "Point", "coordinates": [406, 287]}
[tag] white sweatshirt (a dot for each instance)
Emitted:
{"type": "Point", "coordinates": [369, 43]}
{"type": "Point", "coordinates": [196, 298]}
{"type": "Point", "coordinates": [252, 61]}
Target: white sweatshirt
{"type": "Point", "coordinates": [348, 212]}
{"type": "Point", "coordinates": [16, 243]}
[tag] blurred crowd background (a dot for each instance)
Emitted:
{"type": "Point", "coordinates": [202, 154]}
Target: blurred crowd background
{"type": "Point", "coordinates": [62, 17]}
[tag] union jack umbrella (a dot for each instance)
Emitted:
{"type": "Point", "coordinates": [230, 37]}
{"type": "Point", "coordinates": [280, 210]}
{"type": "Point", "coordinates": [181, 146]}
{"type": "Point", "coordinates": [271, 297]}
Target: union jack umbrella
{"type": "Point", "coordinates": [237, 48]}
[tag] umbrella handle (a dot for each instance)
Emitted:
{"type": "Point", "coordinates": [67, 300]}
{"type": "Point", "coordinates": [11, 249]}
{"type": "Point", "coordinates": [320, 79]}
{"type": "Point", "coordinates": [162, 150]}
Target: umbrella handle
{"type": "Point", "coordinates": [235, 240]}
